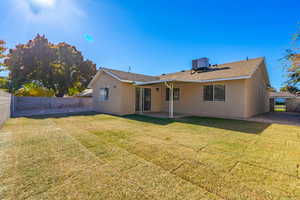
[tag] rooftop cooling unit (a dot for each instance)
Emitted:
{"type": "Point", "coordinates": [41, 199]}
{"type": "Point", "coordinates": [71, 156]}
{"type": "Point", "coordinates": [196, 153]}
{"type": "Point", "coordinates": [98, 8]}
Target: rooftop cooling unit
{"type": "Point", "coordinates": [200, 64]}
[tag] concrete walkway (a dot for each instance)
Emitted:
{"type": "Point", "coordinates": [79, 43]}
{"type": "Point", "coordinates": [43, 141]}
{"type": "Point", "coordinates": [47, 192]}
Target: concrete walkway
{"type": "Point", "coordinates": [278, 117]}
{"type": "Point", "coordinates": [164, 115]}
{"type": "Point", "coordinates": [28, 113]}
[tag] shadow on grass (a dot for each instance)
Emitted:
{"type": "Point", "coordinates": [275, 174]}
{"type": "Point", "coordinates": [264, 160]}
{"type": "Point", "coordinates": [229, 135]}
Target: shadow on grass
{"type": "Point", "coordinates": [227, 124]}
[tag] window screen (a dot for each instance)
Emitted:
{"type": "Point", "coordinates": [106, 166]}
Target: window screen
{"type": "Point", "coordinates": [214, 93]}
{"type": "Point", "coordinates": [176, 94]}
{"type": "Point", "coordinates": [208, 93]}
{"type": "Point", "coordinates": [219, 92]}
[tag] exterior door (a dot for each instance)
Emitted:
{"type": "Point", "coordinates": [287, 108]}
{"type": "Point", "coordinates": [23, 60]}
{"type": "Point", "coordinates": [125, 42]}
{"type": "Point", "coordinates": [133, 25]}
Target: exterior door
{"type": "Point", "coordinates": [137, 99]}
{"type": "Point", "coordinates": [146, 104]}
{"type": "Point", "coordinates": [147, 99]}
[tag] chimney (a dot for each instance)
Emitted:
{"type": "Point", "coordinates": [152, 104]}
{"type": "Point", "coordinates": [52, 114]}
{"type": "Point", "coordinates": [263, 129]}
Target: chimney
{"type": "Point", "coordinates": [200, 64]}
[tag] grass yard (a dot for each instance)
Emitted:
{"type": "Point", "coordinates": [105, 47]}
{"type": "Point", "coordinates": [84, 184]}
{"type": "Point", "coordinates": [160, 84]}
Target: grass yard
{"type": "Point", "coordinates": [280, 108]}
{"type": "Point", "coordinates": [97, 156]}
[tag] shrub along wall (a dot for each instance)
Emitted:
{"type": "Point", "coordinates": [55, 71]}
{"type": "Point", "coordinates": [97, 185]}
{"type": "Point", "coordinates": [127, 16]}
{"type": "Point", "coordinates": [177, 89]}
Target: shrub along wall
{"type": "Point", "coordinates": [5, 106]}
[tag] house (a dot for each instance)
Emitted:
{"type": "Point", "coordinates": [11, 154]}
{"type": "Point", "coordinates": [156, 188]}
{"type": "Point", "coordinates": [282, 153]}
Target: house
{"type": "Point", "coordinates": [230, 90]}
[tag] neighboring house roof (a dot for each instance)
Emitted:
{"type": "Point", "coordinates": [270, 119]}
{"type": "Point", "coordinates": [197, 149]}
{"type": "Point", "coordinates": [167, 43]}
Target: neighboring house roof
{"type": "Point", "coordinates": [86, 93]}
{"type": "Point", "coordinates": [282, 95]}
{"type": "Point", "coordinates": [229, 71]}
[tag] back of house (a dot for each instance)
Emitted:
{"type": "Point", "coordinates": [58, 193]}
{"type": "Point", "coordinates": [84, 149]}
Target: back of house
{"type": "Point", "coordinates": [231, 90]}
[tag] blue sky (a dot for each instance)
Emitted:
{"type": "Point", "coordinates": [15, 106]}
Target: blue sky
{"type": "Point", "coordinates": [158, 36]}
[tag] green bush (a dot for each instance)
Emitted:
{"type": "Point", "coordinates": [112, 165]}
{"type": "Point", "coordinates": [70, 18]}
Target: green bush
{"type": "Point", "coordinates": [34, 89]}
{"type": "Point", "coordinates": [73, 91]}
{"type": "Point", "coordinates": [4, 83]}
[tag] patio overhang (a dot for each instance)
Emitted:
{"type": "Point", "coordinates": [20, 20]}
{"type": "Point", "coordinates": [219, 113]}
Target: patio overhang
{"type": "Point", "coordinates": [153, 82]}
{"type": "Point", "coordinates": [189, 81]}
{"type": "Point", "coordinates": [169, 83]}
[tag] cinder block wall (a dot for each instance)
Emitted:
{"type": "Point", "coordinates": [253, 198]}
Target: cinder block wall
{"type": "Point", "coordinates": [42, 103]}
{"type": "Point", "coordinates": [293, 105]}
{"type": "Point", "coordinates": [5, 106]}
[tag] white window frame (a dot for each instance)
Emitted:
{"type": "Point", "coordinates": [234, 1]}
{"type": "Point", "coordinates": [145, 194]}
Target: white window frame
{"type": "Point", "coordinates": [213, 94]}
{"type": "Point", "coordinates": [102, 98]}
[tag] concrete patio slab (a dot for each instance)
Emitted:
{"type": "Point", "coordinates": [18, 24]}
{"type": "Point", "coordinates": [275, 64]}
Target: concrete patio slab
{"type": "Point", "coordinates": [290, 118]}
{"type": "Point", "coordinates": [164, 115]}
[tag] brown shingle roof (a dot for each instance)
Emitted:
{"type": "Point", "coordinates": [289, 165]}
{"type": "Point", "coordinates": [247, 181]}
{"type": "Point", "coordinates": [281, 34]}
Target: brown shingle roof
{"type": "Point", "coordinates": [131, 76]}
{"type": "Point", "coordinates": [222, 71]}
{"type": "Point", "coordinates": [234, 70]}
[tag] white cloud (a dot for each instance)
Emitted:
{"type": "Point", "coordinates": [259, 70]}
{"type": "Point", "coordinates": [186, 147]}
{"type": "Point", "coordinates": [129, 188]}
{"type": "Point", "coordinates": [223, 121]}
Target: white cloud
{"type": "Point", "coordinates": [38, 6]}
{"type": "Point", "coordinates": [47, 11]}
{"type": "Point", "coordinates": [43, 3]}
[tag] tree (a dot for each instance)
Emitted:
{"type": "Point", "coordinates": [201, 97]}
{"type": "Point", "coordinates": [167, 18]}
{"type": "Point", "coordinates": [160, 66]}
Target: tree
{"type": "Point", "coordinates": [58, 67]}
{"type": "Point", "coordinates": [2, 55]}
{"type": "Point", "coordinates": [4, 83]}
{"type": "Point", "coordinates": [292, 62]}
{"type": "Point", "coordinates": [290, 89]}
{"type": "Point", "coordinates": [271, 89]}
{"type": "Point", "coordinates": [294, 70]}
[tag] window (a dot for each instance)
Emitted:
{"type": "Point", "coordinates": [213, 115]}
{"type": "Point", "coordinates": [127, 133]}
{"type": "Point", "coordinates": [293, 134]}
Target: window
{"type": "Point", "coordinates": [219, 92]}
{"type": "Point", "coordinates": [176, 94]}
{"type": "Point", "coordinates": [208, 93]}
{"type": "Point", "coordinates": [214, 93]}
{"type": "Point", "coordinates": [104, 94]}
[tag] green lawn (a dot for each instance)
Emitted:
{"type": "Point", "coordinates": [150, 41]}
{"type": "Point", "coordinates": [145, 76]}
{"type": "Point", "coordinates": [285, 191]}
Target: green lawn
{"type": "Point", "coordinates": [97, 156]}
{"type": "Point", "coordinates": [280, 108]}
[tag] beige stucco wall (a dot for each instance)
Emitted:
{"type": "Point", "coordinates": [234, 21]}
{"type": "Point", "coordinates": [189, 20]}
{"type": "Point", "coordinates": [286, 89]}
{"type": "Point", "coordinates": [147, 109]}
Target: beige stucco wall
{"type": "Point", "coordinates": [121, 96]}
{"type": "Point", "coordinates": [156, 98]}
{"type": "Point", "coordinates": [113, 105]}
{"type": "Point", "coordinates": [257, 96]}
{"type": "Point", "coordinates": [127, 98]}
{"type": "Point", "coordinates": [191, 100]}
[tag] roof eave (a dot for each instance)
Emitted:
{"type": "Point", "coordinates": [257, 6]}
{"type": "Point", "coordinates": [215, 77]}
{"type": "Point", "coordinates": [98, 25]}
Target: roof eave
{"type": "Point", "coordinates": [191, 81]}
{"type": "Point", "coordinates": [116, 77]}
{"type": "Point", "coordinates": [153, 82]}
{"type": "Point", "coordinates": [110, 74]}
{"type": "Point", "coordinates": [219, 79]}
